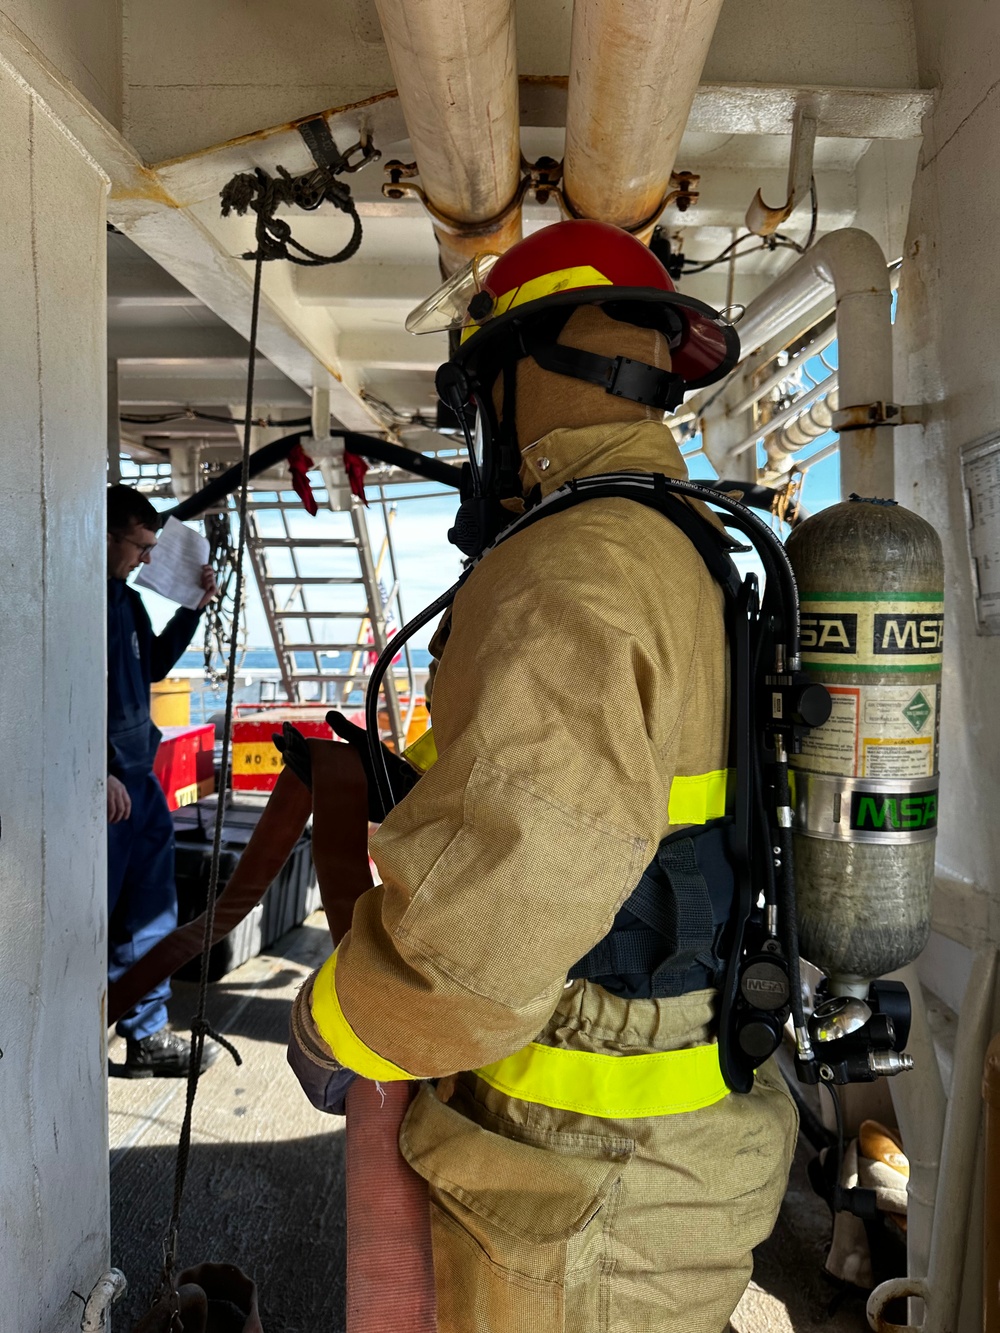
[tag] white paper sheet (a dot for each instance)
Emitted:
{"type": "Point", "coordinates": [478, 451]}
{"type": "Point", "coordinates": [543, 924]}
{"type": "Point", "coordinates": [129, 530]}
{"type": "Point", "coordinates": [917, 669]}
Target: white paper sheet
{"type": "Point", "coordinates": [175, 565]}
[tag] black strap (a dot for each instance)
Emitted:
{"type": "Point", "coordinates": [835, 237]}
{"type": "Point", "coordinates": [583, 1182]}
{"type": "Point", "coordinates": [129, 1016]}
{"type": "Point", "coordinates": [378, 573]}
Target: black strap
{"type": "Point", "coordinates": [694, 928]}
{"type": "Point", "coordinates": [712, 543]}
{"type": "Point", "coordinates": [618, 375]}
{"type": "Point", "coordinates": [671, 934]}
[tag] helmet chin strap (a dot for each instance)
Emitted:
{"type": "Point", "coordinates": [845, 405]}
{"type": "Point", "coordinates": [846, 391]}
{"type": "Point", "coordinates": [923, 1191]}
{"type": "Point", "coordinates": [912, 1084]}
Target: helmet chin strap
{"type": "Point", "coordinates": [619, 376]}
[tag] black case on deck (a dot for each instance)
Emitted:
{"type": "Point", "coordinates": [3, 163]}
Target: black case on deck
{"type": "Point", "coordinates": [287, 903]}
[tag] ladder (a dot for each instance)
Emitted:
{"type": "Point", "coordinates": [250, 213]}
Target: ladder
{"type": "Point", "coordinates": [299, 624]}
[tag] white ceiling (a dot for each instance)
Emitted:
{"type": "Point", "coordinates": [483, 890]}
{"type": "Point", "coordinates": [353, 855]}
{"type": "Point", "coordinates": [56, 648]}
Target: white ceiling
{"type": "Point", "coordinates": [178, 336]}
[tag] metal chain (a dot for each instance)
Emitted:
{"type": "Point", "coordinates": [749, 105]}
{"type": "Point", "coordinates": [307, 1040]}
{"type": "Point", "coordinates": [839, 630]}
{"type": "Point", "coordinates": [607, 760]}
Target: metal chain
{"type": "Point", "coordinates": [219, 619]}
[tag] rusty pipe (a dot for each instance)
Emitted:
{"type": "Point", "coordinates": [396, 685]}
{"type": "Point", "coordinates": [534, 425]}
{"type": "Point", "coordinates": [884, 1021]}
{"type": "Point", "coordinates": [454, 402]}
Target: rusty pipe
{"type": "Point", "coordinates": [455, 65]}
{"type": "Point", "coordinates": [991, 1200]}
{"type": "Point", "coordinates": [634, 71]}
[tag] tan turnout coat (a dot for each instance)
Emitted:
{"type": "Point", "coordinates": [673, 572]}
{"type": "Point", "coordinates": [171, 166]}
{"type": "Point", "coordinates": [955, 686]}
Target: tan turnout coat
{"type": "Point", "coordinates": [584, 672]}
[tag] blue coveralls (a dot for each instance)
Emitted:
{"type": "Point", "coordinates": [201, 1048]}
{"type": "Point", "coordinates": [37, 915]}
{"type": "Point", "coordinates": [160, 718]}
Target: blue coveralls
{"type": "Point", "coordinates": [142, 894]}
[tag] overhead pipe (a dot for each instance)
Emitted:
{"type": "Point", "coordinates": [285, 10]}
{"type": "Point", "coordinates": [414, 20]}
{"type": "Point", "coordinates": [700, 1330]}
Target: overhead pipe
{"type": "Point", "coordinates": [634, 71]}
{"type": "Point", "coordinates": [455, 66]}
{"type": "Point", "coordinates": [852, 264]}
{"type": "Point", "coordinates": [782, 448]}
{"type": "Point", "coordinates": [789, 415]}
{"type": "Point", "coordinates": [759, 391]}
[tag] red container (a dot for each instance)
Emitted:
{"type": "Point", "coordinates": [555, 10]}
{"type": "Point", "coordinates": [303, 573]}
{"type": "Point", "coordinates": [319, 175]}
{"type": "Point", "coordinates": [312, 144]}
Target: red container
{"type": "Point", "coordinates": [256, 762]}
{"type": "Point", "coordinates": [184, 764]}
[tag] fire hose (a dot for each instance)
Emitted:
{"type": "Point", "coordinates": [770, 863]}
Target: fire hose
{"type": "Point", "coordinates": [390, 1281]}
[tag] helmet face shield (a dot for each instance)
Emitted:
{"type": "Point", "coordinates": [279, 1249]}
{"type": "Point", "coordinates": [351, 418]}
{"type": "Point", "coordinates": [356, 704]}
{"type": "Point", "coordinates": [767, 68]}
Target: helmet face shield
{"type": "Point", "coordinates": [448, 307]}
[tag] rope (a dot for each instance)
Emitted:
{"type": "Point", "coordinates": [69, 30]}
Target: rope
{"type": "Point", "coordinates": [200, 1027]}
{"type": "Point", "coordinates": [264, 193]}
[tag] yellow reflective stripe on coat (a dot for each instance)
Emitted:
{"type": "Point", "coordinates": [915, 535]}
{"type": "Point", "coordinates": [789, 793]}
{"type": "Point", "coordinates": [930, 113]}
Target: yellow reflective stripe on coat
{"type": "Point", "coordinates": [422, 754]}
{"type": "Point", "coordinates": [699, 798]}
{"type": "Point", "coordinates": [612, 1087]}
{"type": "Point", "coordinates": [693, 800]}
{"type": "Point", "coordinates": [341, 1038]}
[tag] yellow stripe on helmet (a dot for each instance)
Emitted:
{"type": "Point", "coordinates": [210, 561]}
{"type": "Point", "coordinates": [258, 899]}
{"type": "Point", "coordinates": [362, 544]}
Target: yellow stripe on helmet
{"type": "Point", "coordinates": [546, 284]}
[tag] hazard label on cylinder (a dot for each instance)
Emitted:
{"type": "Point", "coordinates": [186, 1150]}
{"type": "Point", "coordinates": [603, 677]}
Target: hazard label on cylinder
{"type": "Point", "coordinates": [876, 731]}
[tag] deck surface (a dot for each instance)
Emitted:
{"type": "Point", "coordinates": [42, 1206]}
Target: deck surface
{"type": "Point", "coordinates": [265, 1186]}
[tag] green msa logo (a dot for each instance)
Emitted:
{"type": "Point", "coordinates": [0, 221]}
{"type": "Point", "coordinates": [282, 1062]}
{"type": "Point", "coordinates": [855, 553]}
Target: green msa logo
{"type": "Point", "coordinates": [891, 812]}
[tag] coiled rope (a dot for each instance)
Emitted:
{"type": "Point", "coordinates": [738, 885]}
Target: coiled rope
{"type": "Point", "coordinates": [264, 194]}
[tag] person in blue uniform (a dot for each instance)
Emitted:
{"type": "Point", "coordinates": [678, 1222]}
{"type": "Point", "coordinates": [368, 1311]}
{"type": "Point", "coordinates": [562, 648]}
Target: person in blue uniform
{"type": "Point", "coordinates": [142, 893]}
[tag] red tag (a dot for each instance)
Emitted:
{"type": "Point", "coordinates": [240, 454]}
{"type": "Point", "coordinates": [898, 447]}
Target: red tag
{"type": "Point", "coordinates": [356, 468]}
{"type": "Point", "coordinates": [299, 463]}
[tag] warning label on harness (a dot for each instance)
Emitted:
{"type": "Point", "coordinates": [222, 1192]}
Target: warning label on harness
{"type": "Point", "coordinates": [876, 731]}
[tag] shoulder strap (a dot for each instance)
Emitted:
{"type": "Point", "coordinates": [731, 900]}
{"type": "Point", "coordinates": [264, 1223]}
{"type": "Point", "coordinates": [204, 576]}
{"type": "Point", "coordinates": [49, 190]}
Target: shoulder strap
{"type": "Point", "coordinates": [655, 491]}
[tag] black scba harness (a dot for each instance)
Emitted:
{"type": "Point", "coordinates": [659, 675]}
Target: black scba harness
{"type": "Point", "coordinates": [716, 906]}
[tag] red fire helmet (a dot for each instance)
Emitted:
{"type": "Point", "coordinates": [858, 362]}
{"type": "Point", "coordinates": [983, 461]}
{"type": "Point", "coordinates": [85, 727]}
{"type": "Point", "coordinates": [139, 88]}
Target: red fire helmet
{"type": "Point", "coordinates": [593, 263]}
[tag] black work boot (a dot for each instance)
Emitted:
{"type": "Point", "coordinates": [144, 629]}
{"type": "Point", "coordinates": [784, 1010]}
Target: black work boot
{"type": "Point", "coordinates": [163, 1055]}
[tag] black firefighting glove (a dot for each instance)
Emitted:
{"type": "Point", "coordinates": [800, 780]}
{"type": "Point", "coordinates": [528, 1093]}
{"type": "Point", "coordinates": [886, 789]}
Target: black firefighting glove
{"type": "Point", "coordinates": [403, 776]}
{"type": "Point", "coordinates": [291, 745]}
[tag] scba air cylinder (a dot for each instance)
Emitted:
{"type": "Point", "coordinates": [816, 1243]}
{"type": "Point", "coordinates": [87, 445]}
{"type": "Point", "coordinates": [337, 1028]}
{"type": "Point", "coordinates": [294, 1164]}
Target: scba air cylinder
{"type": "Point", "coordinates": [871, 583]}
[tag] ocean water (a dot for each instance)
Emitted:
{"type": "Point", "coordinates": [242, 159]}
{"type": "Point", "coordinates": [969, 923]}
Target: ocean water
{"type": "Point", "coordinates": [258, 679]}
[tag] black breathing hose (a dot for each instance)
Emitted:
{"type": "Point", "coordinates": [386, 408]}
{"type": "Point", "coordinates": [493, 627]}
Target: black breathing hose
{"type": "Point", "coordinates": [366, 446]}
{"type": "Point", "coordinates": [789, 912]}
{"type": "Point", "coordinates": [219, 487]}
{"type": "Point", "coordinates": [383, 779]}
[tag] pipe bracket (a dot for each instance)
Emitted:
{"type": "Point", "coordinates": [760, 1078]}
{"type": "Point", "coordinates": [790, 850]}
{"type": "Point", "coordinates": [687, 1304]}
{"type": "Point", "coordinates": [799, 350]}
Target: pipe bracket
{"type": "Point", "coordinates": [683, 195]}
{"type": "Point", "coordinates": [542, 179]}
{"type": "Point", "coordinates": [398, 186]}
{"type": "Point", "coordinates": [865, 416]}
{"type": "Point", "coordinates": [761, 218]}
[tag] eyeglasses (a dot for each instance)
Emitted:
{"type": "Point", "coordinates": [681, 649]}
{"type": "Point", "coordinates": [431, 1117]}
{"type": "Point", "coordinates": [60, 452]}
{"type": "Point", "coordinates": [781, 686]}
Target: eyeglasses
{"type": "Point", "coordinates": [143, 548]}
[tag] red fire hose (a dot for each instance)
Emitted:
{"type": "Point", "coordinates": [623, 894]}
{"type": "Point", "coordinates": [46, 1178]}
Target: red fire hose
{"type": "Point", "coordinates": [390, 1271]}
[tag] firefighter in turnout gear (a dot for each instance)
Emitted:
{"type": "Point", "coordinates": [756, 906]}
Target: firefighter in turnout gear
{"type": "Point", "coordinates": [544, 949]}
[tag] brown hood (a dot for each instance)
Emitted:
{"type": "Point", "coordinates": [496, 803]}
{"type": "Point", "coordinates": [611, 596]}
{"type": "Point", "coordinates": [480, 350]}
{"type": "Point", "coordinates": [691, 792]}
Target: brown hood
{"type": "Point", "coordinates": [546, 401]}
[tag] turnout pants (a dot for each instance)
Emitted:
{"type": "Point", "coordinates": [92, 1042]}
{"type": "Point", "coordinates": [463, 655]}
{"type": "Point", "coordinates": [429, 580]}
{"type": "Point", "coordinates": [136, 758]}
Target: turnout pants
{"type": "Point", "coordinates": [548, 1221]}
{"type": "Point", "coordinates": [142, 896]}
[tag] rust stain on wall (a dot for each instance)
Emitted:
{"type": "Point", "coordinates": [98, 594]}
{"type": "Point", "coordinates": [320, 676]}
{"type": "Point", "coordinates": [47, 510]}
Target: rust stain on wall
{"type": "Point", "coordinates": [260, 136]}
